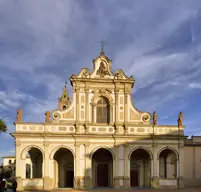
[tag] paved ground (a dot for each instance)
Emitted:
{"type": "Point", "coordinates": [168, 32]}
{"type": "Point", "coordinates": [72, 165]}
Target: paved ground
{"type": "Point", "coordinates": [130, 190]}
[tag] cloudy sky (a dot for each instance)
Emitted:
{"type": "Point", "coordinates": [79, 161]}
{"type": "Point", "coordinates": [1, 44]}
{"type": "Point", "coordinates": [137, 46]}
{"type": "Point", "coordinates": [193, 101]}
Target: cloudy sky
{"type": "Point", "coordinates": [43, 42]}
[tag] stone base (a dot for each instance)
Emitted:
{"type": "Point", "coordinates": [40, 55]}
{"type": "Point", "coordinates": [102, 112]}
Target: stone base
{"type": "Point", "coordinates": [81, 182]}
{"type": "Point", "coordinates": [118, 182]}
{"type": "Point", "coordinates": [47, 183]}
{"type": "Point", "coordinates": [20, 186]}
{"type": "Point", "coordinates": [180, 182]}
{"type": "Point", "coordinates": [155, 182]}
{"type": "Point", "coordinates": [126, 182]}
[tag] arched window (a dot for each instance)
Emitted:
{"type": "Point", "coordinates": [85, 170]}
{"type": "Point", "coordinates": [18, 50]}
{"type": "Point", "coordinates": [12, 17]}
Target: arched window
{"type": "Point", "coordinates": [103, 111]}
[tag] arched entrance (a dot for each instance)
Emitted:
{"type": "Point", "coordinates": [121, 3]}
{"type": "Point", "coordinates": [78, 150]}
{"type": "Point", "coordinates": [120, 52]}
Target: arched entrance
{"type": "Point", "coordinates": [140, 168]}
{"type": "Point", "coordinates": [102, 168]}
{"type": "Point", "coordinates": [167, 164]}
{"type": "Point", "coordinates": [34, 163]}
{"type": "Point", "coordinates": [64, 168]}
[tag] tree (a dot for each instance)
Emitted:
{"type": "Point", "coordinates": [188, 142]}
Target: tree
{"type": "Point", "coordinates": [3, 127]}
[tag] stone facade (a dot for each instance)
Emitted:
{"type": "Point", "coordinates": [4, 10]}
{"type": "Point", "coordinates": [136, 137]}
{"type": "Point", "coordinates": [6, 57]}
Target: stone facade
{"type": "Point", "coordinates": [99, 139]}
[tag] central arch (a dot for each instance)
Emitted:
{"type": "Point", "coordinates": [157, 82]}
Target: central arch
{"type": "Point", "coordinates": [64, 168]}
{"type": "Point", "coordinates": [140, 168]}
{"type": "Point", "coordinates": [102, 168]}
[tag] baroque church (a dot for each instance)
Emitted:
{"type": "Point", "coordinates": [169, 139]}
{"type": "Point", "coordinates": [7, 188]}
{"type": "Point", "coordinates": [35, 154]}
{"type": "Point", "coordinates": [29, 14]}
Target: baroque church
{"type": "Point", "coordinates": [99, 139]}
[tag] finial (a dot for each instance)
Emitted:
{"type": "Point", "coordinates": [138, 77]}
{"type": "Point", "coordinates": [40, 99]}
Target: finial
{"type": "Point", "coordinates": [102, 47]}
{"type": "Point", "coordinates": [66, 83]}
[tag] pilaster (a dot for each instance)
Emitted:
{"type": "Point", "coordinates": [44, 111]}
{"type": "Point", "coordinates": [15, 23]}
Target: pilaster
{"type": "Point", "coordinates": [19, 166]}
{"type": "Point", "coordinates": [46, 178]}
{"type": "Point", "coordinates": [126, 167]}
{"type": "Point", "coordinates": [77, 177]}
{"type": "Point", "coordinates": [88, 168]}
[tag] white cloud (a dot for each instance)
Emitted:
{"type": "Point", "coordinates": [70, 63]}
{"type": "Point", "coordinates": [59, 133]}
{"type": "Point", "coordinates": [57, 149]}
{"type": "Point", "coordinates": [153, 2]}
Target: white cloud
{"type": "Point", "coordinates": [194, 85]}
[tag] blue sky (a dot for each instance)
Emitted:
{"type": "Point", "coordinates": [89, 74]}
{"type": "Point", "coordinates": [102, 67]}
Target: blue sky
{"type": "Point", "coordinates": [43, 43]}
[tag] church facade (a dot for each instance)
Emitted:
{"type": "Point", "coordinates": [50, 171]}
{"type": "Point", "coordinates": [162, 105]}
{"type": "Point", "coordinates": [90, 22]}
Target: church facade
{"type": "Point", "coordinates": [99, 139]}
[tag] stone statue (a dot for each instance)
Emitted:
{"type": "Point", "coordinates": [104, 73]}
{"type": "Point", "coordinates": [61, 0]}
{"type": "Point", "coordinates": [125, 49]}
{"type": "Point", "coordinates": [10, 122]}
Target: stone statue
{"type": "Point", "coordinates": [154, 118]}
{"type": "Point", "coordinates": [180, 120]}
{"type": "Point", "coordinates": [19, 115]}
{"type": "Point", "coordinates": [47, 117]}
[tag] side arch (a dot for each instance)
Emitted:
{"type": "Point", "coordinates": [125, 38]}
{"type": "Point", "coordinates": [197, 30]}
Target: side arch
{"type": "Point", "coordinates": [55, 149]}
{"type": "Point", "coordinates": [102, 147]}
{"type": "Point", "coordinates": [170, 148]}
{"type": "Point", "coordinates": [140, 147]}
{"type": "Point", "coordinates": [27, 148]}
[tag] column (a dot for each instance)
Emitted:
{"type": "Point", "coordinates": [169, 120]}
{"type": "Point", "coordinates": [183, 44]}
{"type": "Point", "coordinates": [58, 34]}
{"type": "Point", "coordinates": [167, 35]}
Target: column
{"type": "Point", "coordinates": [20, 166]}
{"type": "Point", "coordinates": [126, 167]}
{"type": "Point", "coordinates": [46, 177]}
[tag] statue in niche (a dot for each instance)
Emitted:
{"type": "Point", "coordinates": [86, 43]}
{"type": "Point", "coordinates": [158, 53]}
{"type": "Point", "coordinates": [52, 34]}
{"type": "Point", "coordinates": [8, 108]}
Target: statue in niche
{"type": "Point", "coordinates": [47, 117]}
{"type": "Point", "coordinates": [102, 71]}
{"type": "Point", "coordinates": [180, 120]}
{"type": "Point", "coordinates": [19, 115]}
{"type": "Point", "coordinates": [154, 118]}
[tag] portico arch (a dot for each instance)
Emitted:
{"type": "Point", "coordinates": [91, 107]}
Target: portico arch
{"type": "Point", "coordinates": [140, 167]}
{"type": "Point", "coordinates": [54, 150]}
{"type": "Point", "coordinates": [140, 147]}
{"type": "Point", "coordinates": [102, 167]}
{"type": "Point", "coordinates": [63, 167]}
{"type": "Point", "coordinates": [168, 163]}
{"type": "Point", "coordinates": [33, 157]}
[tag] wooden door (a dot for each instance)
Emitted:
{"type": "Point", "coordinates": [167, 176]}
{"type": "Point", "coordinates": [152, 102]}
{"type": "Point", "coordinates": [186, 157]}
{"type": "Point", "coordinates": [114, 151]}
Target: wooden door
{"type": "Point", "coordinates": [69, 178]}
{"type": "Point", "coordinates": [102, 175]}
{"type": "Point", "coordinates": [134, 178]}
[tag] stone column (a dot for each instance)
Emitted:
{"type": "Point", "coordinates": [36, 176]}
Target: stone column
{"type": "Point", "coordinates": [19, 166]}
{"type": "Point", "coordinates": [46, 177]}
{"type": "Point", "coordinates": [126, 167]}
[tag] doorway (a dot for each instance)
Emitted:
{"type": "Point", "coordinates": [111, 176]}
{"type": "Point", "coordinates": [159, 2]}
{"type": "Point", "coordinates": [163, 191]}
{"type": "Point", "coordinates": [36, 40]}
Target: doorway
{"type": "Point", "coordinates": [134, 174]}
{"type": "Point", "coordinates": [102, 168]}
{"type": "Point", "coordinates": [102, 176]}
{"type": "Point", "coordinates": [69, 179]}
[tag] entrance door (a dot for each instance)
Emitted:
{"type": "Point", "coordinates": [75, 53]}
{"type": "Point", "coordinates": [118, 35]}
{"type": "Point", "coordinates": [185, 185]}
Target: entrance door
{"type": "Point", "coordinates": [102, 175]}
{"type": "Point", "coordinates": [134, 178]}
{"type": "Point", "coordinates": [69, 178]}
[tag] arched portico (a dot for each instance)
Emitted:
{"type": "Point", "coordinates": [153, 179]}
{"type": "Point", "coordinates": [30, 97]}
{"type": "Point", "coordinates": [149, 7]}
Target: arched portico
{"type": "Point", "coordinates": [102, 168]}
{"type": "Point", "coordinates": [33, 157]}
{"type": "Point", "coordinates": [63, 168]}
{"type": "Point", "coordinates": [168, 163]}
{"type": "Point", "coordinates": [140, 167]}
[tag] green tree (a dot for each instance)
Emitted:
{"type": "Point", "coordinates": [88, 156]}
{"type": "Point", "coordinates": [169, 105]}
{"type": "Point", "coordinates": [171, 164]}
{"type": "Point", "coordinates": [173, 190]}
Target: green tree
{"type": "Point", "coordinates": [3, 127]}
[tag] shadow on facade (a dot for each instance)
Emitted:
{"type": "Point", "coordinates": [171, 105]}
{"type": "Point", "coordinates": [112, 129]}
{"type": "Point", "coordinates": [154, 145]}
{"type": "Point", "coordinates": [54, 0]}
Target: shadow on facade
{"type": "Point", "coordinates": [141, 162]}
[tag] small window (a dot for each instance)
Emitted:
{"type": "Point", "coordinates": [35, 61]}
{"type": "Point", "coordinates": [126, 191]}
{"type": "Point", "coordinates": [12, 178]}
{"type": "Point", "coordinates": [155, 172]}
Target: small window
{"type": "Point", "coordinates": [64, 107]}
{"type": "Point", "coordinates": [10, 161]}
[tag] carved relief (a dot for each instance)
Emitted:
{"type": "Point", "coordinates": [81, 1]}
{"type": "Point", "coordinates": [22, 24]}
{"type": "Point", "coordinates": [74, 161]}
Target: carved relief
{"type": "Point", "coordinates": [56, 116]}
{"type": "Point", "coordinates": [85, 73]}
{"type": "Point", "coordinates": [146, 118]}
{"type": "Point", "coordinates": [102, 71]}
